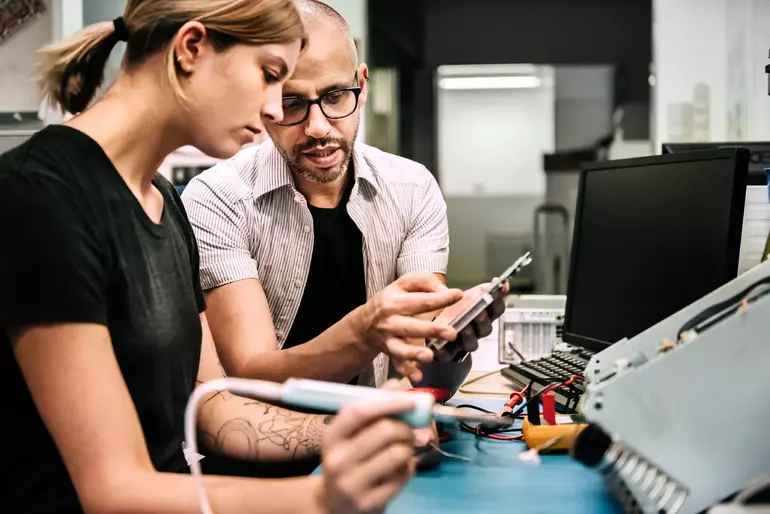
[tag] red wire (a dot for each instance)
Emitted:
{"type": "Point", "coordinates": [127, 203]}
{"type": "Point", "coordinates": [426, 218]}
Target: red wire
{"type": "Point", "coordinates": [515, 399]}
{"type": "Point", "coordinates": [501, 437]}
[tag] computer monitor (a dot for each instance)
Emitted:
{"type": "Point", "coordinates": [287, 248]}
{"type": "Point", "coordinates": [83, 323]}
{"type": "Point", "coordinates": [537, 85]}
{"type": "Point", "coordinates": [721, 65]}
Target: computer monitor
{"type": "Point", "coordinates": [759, 155]}
{"type": "Point", "coordinates": [651, 236]}
{"type": "Point", "coordinates": [756, 214]}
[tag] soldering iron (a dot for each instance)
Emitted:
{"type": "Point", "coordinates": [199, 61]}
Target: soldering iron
{"type": "Point", "coordinates": [324, 397]}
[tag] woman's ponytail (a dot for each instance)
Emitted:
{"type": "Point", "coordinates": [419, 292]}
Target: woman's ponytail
{"type": "Point", "coordinates": [70, 72]}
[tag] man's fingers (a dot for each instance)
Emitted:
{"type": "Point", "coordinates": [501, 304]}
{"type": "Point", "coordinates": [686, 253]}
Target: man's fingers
{"type": "Point", "coordinates": [482, 325]}
{"type": "Point", "coordinates": [414, 328]}
{"type": "Point", "coordinates": [393, 384]}
{"type": "Point", "coordinates": [400, 350]}
{"type": "Point", "coordinates": [410, 370]}
{"type": "Point", "coordinates": [408, 366]}
{"type": "Point", "coordinates": [361, 416]}
{"type": "Point", "coordinates": [497, 308]}
{"type": "Point", "coordinates": [412, 304]}
{"type": "Point", "coordinates": [468, 339]}
{"type": "Point", "coordinates": [425, 282]}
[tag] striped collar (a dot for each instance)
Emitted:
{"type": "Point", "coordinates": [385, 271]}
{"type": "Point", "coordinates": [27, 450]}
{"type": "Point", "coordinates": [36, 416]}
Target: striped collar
{"type": "Point", "coordinates": [273, 173]}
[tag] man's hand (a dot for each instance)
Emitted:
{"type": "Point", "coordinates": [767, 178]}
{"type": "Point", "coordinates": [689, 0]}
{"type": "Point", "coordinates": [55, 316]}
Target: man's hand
{"type": "Point", "coordinates": [468, 338]}
{"type": "Point", "coordinates": [387, 322]}
{"type": "Point", "coordinates": [367, 457]}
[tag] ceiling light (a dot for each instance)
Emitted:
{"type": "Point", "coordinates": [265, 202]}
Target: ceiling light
{"type": "Point", "coordinates": [487, 70]}
{"type": "Point", "coordinates": [505, 82]}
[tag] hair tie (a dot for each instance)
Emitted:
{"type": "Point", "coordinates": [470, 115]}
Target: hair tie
{"type": "Point", "coordinates": [121, 31]}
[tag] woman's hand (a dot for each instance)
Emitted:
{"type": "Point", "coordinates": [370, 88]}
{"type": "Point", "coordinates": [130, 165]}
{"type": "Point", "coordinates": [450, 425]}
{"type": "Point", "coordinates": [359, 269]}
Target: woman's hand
{"type": "Point", "coordinates": [368, 457]}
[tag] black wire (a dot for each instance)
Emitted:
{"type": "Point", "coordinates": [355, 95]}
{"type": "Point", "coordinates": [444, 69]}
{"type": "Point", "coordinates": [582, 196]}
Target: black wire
{"type": "Point", "coordinates": [760, 496]}
{"type": "Point", "coordinates": [467, 406]}
{"type": "Point", "coordinates": [572, 403]}
{"type": "Point", "coordinates": [485, 431]}
{"type": "Point", "coordinates": [481, 433]}
{"type": "Point", "coordinates": [529, 390]}
{"type": "Point", "coordinates": [537, 395]}
{"type": "Point", "coordinates": [722, 306]}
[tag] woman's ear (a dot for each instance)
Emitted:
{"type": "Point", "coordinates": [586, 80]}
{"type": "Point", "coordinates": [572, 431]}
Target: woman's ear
{"type": "Point", "coordinates": [190, 44]}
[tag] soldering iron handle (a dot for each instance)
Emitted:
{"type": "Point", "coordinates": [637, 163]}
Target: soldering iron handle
{"type": "Point", "coordinates": [330, 397]}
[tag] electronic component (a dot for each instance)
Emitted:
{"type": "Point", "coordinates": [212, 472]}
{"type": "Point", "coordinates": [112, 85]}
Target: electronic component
{"type": "Point", "coordinates": [557, 437]}
{"type": "Point", "coordinates": [530, 327]}
{"type": "Point", "coordinates": [655, 431]}
{"type": "Point", "coordinates": [465, 318]}
{"type": "Point", "coordinates": [548, 431]}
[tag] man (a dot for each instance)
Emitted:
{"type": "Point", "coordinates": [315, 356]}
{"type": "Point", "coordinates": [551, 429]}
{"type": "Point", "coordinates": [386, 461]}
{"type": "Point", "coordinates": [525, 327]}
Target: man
{"type": "Point", "coordinates": [311, 225]}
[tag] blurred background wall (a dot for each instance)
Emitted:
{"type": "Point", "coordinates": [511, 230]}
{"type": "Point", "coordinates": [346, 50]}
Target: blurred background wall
{"type": "Point", "coordinates": [487, 146]}
{"type": "Point", "coordinates": [502, 100]}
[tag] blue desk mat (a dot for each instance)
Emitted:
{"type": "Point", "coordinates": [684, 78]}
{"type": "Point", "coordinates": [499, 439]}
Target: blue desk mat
{"type": "Point", "coordinates": [496, 481]}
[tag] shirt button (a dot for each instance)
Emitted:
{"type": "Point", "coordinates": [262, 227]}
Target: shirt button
{"type": "Point", "coordinates": [306, 228]}
{"type": "Point", "coordinates": [298, 198]}
{"type": "Point", "coordinates": [297, 284]}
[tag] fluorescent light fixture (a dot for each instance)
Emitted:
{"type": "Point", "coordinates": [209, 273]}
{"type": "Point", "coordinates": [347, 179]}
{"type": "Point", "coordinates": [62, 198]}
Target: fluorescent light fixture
{"type": "Point", "coordinates": [505, 82]}
{"type": "Point", "coordinates": [487, 70]}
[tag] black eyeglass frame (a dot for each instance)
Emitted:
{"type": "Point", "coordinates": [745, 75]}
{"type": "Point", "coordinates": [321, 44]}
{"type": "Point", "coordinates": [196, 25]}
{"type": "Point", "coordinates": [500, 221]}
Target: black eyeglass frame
{"type": "Point", "coordinates": [356, 90]}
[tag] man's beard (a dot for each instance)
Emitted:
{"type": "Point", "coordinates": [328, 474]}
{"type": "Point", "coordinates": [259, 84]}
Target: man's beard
{"type": "Point", "coordinates": [313, 175]}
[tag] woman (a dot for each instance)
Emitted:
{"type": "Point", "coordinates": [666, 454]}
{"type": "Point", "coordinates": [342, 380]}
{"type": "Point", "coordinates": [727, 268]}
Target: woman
{"type": "Point", "coordinates": [102, 323]}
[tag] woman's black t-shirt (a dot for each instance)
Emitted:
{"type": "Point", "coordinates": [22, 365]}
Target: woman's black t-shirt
{"type": "Point", "coordinates": [76, 246]}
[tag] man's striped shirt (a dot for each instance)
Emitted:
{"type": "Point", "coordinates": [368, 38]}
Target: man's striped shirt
{"type": "Point", "coordinates": [251, 222]}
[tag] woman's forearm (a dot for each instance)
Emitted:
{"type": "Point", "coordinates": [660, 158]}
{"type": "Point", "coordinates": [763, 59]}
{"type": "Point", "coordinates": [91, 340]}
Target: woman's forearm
{"type": "Point", "coordinates": [251, 430]}
{"type": "Point", "coordinates": [176, 494]}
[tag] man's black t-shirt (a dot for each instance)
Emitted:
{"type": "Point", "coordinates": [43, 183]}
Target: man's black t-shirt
{"type": "Point", "coordinates": [78, 247]}
{"type": "Point", "coordinates": [336, 283]}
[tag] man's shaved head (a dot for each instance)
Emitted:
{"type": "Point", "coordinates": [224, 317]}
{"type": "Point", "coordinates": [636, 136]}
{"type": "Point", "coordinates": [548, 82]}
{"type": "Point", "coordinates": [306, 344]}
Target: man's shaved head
{"type": "Point", "coordinates": [319, 149]}
{"type": "Point", "coordinates": [315, 13]}
{"type": "Point", "coordinates": [313, 10]}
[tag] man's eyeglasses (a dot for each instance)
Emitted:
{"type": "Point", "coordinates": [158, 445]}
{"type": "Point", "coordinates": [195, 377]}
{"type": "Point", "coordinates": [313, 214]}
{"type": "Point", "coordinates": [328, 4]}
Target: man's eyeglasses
{"type": "Point", "coordinates": [335, 105]}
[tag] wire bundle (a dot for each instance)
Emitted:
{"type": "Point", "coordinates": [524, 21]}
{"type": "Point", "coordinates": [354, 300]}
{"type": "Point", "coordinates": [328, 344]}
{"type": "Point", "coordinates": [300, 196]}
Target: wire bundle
{"type": "Point", "coordinates": [481, 431]}
{"type": "Point", "coordinates": [513, 407]}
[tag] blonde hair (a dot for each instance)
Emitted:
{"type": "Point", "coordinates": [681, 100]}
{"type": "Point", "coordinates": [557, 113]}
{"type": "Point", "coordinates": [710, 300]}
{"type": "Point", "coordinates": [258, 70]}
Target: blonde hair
{"type": "Point", "coordinates": [71, 71]}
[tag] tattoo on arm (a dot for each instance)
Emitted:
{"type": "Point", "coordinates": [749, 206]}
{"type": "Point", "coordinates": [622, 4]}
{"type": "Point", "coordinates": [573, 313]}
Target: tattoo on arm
{"type": "Point", "coordinates": [273, 432]}
{"type": "Point", "coordinates": [264, 431]}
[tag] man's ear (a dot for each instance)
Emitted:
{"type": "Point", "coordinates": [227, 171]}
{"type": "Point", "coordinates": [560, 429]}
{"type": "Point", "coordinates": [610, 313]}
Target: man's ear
{"type": "Point", "coordinates": [363, 83]}
{"type": "Point", "coordinates": [189, 45]}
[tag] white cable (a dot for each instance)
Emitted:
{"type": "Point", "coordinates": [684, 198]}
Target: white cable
{"type": "Point", "coordinates": [254, 389]}
{"type": "Point", "coordinates": [303, 393]}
